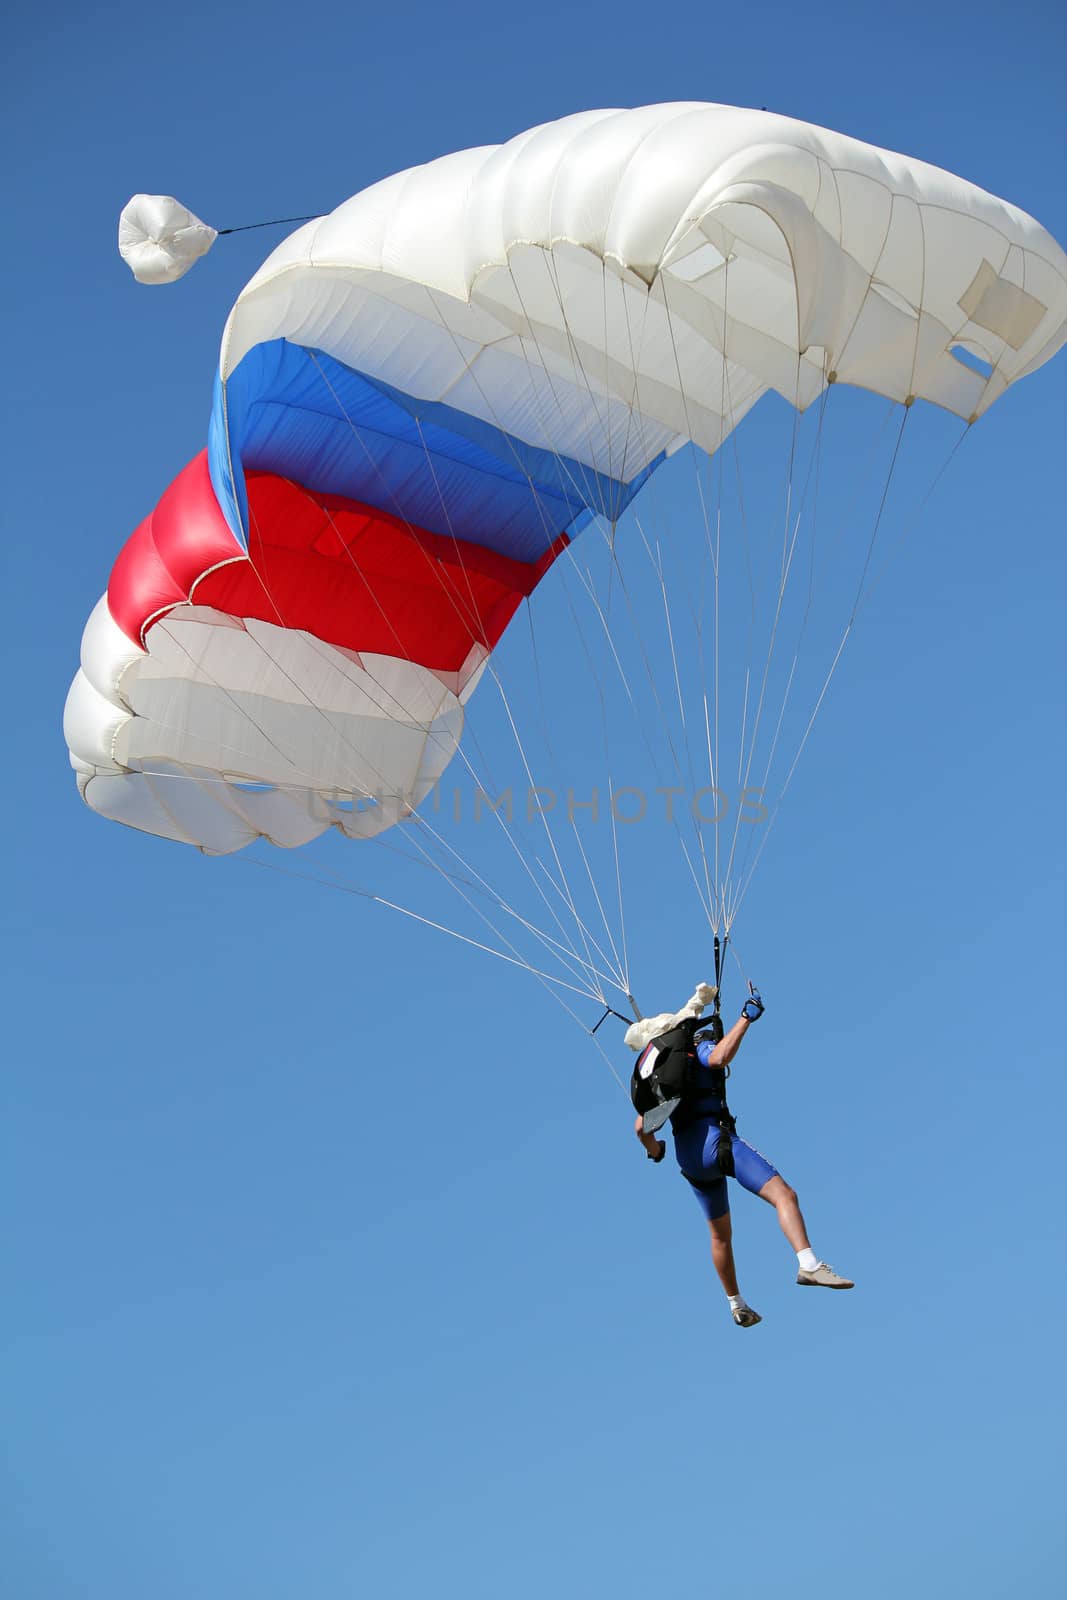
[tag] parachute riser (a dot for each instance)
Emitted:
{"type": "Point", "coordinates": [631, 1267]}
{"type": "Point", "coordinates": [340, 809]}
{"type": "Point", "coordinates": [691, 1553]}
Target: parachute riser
{"type": "Point", "coordinates": [719, 949]}
{"type": "Point", "coordinates": [609, 1011]}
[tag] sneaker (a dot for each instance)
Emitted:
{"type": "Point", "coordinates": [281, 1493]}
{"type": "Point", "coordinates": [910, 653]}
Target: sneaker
{"type": "Point", "coordinates": [746, 1317]}
{"type": "Point", "coordinates": [825, 1277]}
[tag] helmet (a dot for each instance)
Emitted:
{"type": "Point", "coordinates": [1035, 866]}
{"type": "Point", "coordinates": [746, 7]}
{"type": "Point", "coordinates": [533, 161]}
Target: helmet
{"type": "Point", "coordinates": [713, 1033]}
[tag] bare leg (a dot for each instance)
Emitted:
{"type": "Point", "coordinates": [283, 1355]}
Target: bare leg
{"type": "Point", "coordinates": [722, 1252]}
{"type": "Point", "coordinates": [778, 1194]}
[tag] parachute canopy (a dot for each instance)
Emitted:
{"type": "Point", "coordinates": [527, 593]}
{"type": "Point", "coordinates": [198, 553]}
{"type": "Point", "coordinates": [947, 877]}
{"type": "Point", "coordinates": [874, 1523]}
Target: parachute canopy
{"type": "Point", "coordinates": [423, 397]}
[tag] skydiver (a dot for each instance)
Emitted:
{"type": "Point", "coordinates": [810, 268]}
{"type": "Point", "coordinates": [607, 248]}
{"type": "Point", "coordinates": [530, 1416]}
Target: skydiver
{"type": "Point", "coordinates": [695, 1125]}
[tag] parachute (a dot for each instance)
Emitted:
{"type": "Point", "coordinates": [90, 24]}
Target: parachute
{"type": "Point", "coordinates": [426, 396]}
{"type": "Point", "coordinates": [159, 239]}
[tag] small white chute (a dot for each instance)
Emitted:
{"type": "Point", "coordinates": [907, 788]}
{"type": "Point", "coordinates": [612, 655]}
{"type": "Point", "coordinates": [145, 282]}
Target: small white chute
{"type": "Point", "coordinates": [645, 1029]}
{"type": "Point", "coordinates": [159, 240]}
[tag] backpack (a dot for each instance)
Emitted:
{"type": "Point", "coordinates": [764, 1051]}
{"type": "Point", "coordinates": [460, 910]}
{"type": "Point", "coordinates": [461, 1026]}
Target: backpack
{"type": "Point", "coordinates": [660, 1077]}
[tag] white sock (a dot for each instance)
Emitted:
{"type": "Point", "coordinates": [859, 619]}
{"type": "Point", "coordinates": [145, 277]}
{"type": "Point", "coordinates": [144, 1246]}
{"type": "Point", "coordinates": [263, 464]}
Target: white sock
{"type": "Point", "coordinates": [808, 1259]}
{"type": "Point", "coordinates": [739, 1303]}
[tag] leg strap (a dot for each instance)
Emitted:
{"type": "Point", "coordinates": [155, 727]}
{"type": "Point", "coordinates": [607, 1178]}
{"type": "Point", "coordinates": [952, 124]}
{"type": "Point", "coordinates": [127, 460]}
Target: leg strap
{"type": "Point", "coordinates": [725, 1153]}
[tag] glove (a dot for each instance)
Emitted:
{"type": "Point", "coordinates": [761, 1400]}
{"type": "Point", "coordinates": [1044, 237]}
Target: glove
{"type": "Point", "coordinates": [752, 1009]}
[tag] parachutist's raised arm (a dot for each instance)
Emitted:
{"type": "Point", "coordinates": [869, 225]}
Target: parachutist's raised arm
{"type": "Point", "coordinates": [728, 1046]}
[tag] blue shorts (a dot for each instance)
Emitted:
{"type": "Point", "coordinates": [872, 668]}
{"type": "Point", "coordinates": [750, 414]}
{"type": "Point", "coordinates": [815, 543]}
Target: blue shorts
{"type": "Point", "coordinates": [696, 1148]}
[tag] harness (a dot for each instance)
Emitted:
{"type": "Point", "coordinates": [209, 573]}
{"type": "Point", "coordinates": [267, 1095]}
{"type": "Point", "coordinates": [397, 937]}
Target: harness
{"type": "Point", "coordinates": [664, 1080]}
{"type": "Point", "coordinates": [698, 1106]}
{"type": "Point", "coordinates": [669, 1081]}
{"type": "Point", "coordinates": [709, 1104]}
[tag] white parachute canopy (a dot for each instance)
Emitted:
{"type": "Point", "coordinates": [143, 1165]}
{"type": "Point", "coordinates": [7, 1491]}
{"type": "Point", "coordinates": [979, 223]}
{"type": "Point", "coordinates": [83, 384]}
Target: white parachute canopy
{"type": "Point", "coordinates": [520, 363]}
{"type": "Point", "coordinates": [159, 239]}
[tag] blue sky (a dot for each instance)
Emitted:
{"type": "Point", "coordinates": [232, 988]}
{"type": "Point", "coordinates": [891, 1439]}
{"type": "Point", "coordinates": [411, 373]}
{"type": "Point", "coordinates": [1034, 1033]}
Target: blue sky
{"type": "Point", "coordinates": [261, 1341]}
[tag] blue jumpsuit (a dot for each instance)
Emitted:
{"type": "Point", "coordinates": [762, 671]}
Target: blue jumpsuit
{"type": "Point", "coordinates": [696, 1146]}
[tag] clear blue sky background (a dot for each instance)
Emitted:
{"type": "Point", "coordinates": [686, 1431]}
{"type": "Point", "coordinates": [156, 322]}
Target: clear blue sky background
{"type": "Point", "coordinates": [258, 1346]}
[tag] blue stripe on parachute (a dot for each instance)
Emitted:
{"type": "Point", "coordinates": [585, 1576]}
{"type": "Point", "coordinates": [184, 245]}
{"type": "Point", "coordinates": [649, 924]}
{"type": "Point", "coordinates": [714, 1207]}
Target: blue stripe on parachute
{"type": "Point", "coordinates": [301, 414]}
